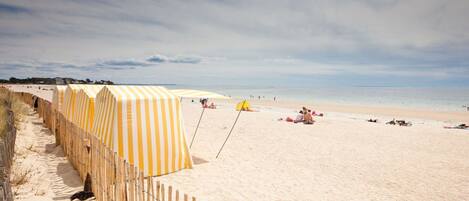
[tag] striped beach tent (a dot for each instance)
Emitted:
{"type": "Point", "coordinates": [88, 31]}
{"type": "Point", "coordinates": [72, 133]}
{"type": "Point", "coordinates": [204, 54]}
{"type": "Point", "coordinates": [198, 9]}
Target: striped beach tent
{"type": "Point", "coordinates": [190, 93]}
{"type": "Point", "coordinates": [144, 125]}
{"type": "Point", "coordinates": [68, 107]}
{"type": "Point", "coordinates": [85, 107]}
{"type": "Point", "coordinates": [58, 97]}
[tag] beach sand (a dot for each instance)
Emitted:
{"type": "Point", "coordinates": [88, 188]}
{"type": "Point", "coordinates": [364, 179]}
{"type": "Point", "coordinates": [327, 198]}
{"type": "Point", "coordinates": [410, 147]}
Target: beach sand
{"type": "Point", "coordinates": [49, 174]}
{"type": "Point", "coordinates": [340, 157]}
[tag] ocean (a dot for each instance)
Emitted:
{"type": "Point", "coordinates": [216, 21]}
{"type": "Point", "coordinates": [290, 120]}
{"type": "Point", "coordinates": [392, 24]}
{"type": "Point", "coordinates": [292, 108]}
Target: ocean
{"type": "Point", "coordinates": [434, 98]}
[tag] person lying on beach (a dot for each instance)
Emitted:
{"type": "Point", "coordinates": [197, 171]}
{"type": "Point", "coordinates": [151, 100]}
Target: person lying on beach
{"type": "Point", "coordinates": [460, 126]}
{"type": "Point", "coordinates": [393, 122]}
{"type": "Point", "coordinates": [299, 118]}
{"type": "Point", "coordinates": [399, 122]}
{"type": "Point", "coordinates": [316, 114]}
{"type": "Point", "coordinates": [212, 106]}
{"type": "Point", "coordinates": [372, 120]}
{"type": "Point", "coordinates": [313, 113]}
{"type": "Point", "coordinates": [403, 123]}
{"type": "Point", "coordinates": [248, 109]}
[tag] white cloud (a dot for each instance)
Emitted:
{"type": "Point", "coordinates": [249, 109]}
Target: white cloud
{"type": "Point", "coordinates": [419, 37]}
{"type": "Point", "coordinates": [158, 58]}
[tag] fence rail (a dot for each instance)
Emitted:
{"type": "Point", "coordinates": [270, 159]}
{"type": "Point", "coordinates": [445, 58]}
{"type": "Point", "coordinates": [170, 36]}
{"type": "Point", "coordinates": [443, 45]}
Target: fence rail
{"type": "Point", "coordinates": [7, 150]}
{"type": "Point", "coordinates": [113, 178]}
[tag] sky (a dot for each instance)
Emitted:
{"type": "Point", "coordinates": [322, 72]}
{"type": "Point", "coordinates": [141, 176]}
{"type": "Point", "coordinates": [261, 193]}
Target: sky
{"type": "Point", "coordinates": [233, 42]}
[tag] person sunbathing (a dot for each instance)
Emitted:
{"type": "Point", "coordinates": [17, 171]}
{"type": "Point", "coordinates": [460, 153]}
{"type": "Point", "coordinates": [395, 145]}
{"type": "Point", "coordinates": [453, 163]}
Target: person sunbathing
{"type": "Point", "coordinates": [399, 122]}
{"type": "Point", "coordinates": [393, 122]}
{"type": "Point", "coordinates": [212, 106]}
{"type": "Point", "coordinates": [313, 113]}
{"type": "Point", "coordinates": [403, 123]}
{"type": "Point", "coordinates": [299, 118]}
{"type": "Point", "coordinates": [460, 126]}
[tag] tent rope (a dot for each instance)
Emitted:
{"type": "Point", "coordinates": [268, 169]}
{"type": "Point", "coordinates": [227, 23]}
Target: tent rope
{"type": "Point", "coordinates": [240, 110]}
{"type": "Point", "coordinates": [197, 128]}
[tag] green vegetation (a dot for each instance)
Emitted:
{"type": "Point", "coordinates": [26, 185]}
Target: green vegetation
{"type": "Point", "coordinates": [3, 112]}
{"type": "Point", "coordinates": [55, 80]}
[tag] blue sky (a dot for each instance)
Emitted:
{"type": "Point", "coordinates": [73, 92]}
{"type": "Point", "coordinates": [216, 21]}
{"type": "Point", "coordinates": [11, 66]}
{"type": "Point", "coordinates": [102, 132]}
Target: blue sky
{"type": "Point", "coordinates": [363, 42]}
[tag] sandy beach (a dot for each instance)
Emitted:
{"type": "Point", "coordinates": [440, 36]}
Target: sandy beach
{"type": "Point", "coordinates": [340, 157]}
{"type": "Point", "coordinates": [46, 171]}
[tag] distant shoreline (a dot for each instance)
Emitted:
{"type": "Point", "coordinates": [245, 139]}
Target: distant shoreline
{"type": "Point", "coordinates": [370, 110]}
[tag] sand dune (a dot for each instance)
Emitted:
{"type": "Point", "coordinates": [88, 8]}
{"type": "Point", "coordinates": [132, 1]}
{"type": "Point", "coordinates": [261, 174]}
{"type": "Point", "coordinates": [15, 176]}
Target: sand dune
{"type": "Point", "coordinates": [51, 177]}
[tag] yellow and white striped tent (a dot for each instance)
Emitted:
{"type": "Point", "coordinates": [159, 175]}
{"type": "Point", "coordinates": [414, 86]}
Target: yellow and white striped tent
{"type": "Point", "coordinates": [85, 107]}
{"type": "Point", "coordinates": [144, 125]}
{"type": "Point", "coordinates": [58, 97]}
{"type": "Point", "coordinates": [68, 107]}
{"type": "Point", "coordinates": [190, 93]}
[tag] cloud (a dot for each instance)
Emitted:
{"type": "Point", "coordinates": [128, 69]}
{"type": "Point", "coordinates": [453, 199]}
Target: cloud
{"type": "Point", "coordinates": [157, 58]}
{"type": "Point", "coordinates": [13, 9]}
{"type": "Point", "coordinates": [122, 62]}
{"type": "Point", "coordinates": [185, 59]}
{"type": "Point", "coordinates": [178, 59]}
{"type": "Point", "coordinates": [430, 37]}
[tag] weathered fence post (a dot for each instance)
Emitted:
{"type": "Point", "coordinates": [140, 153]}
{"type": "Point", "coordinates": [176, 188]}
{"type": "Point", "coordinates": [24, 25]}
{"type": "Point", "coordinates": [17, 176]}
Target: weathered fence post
{"type": "Point", "coordinates": [7, 146]}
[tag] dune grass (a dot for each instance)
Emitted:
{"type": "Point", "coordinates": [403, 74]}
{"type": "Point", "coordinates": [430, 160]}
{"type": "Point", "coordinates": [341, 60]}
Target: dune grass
{"type": "Point", "coordinates": [3, 112]}
{"type": "Point", "coordinates": [9, 102]}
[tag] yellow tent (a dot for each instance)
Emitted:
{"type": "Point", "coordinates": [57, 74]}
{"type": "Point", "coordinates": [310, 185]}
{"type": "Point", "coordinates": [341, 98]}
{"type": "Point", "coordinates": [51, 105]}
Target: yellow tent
{"type": "Point", "coordinates": [57, 104]}
{"type": "Point", "coordinates": [85, 107]}
{"type": "Point", "coordinates": [189, 93]}
{"type": "Point", "coordinates": [144, 125]}
{"type": "Point", "coordinates": [58, 97]}
{"type": "Point", "coordinates": [68, 107]}
{"type": "Point", "coordinates": [243, 105]}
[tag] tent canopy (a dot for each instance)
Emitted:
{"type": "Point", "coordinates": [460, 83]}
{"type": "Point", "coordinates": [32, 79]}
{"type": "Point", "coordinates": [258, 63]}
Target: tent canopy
{"type": "Point", "coordinates": [68, 108]}
{"type": "Point", "coordinates": [189, 93]}
{"type": "Point", "coordinates": [243, 105]}
{"type": "Point", "coordinates": [144, 125]}
{"type": "Point", "coordinates": [85, 106]}
{"type": "Point", "coordinates": [58, 97]}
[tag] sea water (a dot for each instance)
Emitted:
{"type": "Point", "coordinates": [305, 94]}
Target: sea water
{"type": "Point", "coordinates": [434, 98]}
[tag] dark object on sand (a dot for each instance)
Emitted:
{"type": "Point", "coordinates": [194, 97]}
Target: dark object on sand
{"type": "Point", "coordinates": [460, 126]}
{"type": "Point", "coordinates": [87, 186]}
{"type": "Point", "coordinates": [403, 123]}
{"type": "Point", "coordinates": [87, 191]}
{"type": "Point", "coordinates": [372, 120]}
{"type": "Point", "coordinates": [399, 122]}
{"type": "Point", "coordinates": [82, 195]}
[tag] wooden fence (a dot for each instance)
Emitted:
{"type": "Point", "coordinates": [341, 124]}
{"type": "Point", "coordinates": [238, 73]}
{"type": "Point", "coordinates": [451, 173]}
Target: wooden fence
{"type": "Point", "coordinates": [113, 178]}
{"type": "Point", "coordinates": [7, 150]}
